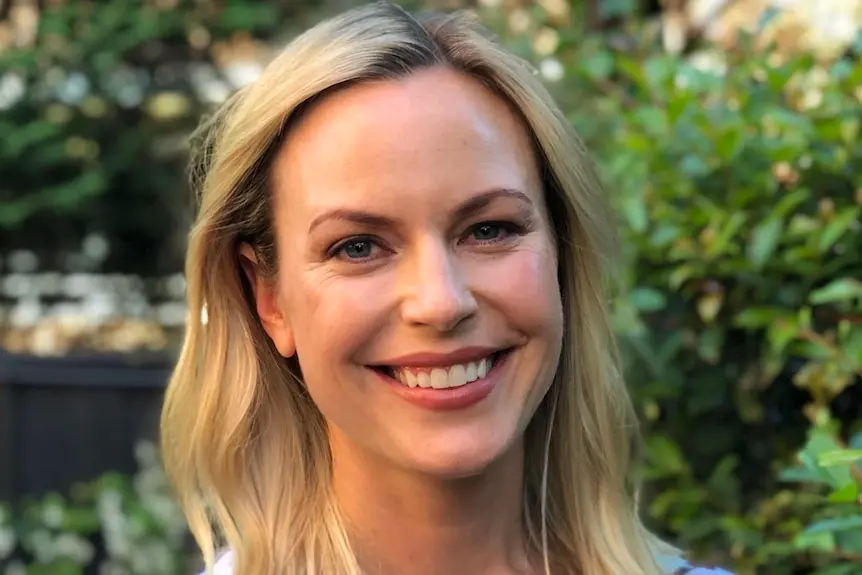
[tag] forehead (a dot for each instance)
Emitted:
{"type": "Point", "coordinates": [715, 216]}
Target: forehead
{"type": "Point", "coordinates": [436, 132]}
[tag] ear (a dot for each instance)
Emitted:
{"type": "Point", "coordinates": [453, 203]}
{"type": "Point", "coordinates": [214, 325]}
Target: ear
{"type": "Point", "coordinates": [267, 302]}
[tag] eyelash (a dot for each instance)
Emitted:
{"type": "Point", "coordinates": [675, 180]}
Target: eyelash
{"type": "Point", "coordinates": [508, 228]}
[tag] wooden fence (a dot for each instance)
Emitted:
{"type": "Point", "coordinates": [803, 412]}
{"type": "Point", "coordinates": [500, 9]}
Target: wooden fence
{"type": "Point", "coordinates": [70, 419]}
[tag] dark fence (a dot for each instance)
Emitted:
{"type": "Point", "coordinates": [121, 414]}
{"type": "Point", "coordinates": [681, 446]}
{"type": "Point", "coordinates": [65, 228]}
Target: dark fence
{"type": "Point", "coordinates": [70, 419]}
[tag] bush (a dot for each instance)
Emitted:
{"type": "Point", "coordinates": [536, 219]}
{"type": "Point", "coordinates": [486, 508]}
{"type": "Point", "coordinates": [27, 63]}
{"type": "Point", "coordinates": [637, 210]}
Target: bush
{"type": "Point", "coordinates": [114, 526]}
{"type": "Point", "coordinates": [738, 180]}
{"type": "Point", "coordinates": [95, 116]}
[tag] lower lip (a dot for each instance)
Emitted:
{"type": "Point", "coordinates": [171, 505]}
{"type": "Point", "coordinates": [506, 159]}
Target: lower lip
{"type": "Point", "coordinates": [450, 398]}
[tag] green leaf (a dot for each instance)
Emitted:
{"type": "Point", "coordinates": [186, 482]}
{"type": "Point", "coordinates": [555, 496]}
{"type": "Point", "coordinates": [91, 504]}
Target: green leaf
{"type": "Point", "coordinates": [841, 70]}
{"type": "Point", "coordinates": [693, 166]}
{"type": "Point", "coordinates": [843, 289]}
{"type": "Point", "coordinates": [837, 569]}
{"type": "Point", "coordinates": [598, 65]}
{"type": "Point", "coordinates": [659, 71]}
{"type": "Point", "coordinates": [665, 455]}
{"type": "Point", "coordinates": [839, 457]}
{"type": "Point", "coordinates": [820, 443]}
{"type": "Point", "coordinates": [710, 343]}
{"type": "Point", "coordinates": [836, 228]}
{"type": "Point", "coordinates": [757, 317]}
{"type": "Point", "coordinates": [850, 540]}
{"type": "Point", "coordinates": [847, 494]}
{"type": "Point", "coordinates": [789, 202]}
{"type": "Point", "coordinates": [820, 540]}
{"type": "Point", "coordinates": [32, 135]}
{"type": "Point", "coordinates": [653, 121]}
{"type": "Point", "coordinates": [632, 68]}
{"type": "Point", "coordinates": [730, 144]}
{"type": "Point", "coordinates": [681, 274]}
{"type": "Point", "coordinates": [246, 16]}
{"type": "Point", "coordinates": [614, 8]}
{"type": "Point", "coordinates": [727, 233]}
{"type": "Point", "coordinates": [764, 240]}
{"type": "Point", "coordinates": [781, 333]}
{"type": "Point", "coordinates": [835, 524]}
{"type": "Point", "coordinates": [802, 474]}
{"type": "Point", "coordinates": [634, 210]}
{"type": "Point", "coordinates": [647, 299]}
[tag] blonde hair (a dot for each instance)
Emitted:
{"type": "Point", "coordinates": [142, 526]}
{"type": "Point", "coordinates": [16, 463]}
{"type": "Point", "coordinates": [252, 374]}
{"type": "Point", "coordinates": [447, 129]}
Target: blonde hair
{"type": "Point", "coordinates": [243, 443]}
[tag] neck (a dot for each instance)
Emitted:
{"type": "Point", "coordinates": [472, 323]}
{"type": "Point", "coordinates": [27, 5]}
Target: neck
{"type": "Point", "coordinates": [401, 522]}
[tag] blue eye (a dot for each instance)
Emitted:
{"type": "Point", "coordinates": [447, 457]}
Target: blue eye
{"type": "Point", "coordinates": [492, 232]}
{"type": "Point", "coordinates": [487, 232]}
{"type": "Point", "coordinates": [356, 249]}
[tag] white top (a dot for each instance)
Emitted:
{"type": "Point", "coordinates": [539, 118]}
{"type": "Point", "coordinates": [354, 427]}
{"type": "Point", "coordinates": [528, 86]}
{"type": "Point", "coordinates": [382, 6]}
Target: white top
{"type": "Point", "coordinates": [223, 565]}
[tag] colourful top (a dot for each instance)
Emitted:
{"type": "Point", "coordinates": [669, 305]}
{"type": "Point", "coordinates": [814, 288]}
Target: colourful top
{"type": "Point", "coordinates": [676, 565]}
{"type": "Point", "coordinates": [672, 564]}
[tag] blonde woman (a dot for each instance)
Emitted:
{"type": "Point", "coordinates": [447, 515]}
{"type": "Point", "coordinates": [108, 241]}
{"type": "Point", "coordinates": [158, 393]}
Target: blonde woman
{"type": "Point", "coordinates": [405, 364]}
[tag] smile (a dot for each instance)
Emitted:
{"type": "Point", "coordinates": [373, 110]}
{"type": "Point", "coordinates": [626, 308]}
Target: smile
{"type": "Point", "coordinates": [443, 377]}
{"type": "Point", "coordinates": [440, 375]}
{"type": "Point", "coordinates": [445, 381]}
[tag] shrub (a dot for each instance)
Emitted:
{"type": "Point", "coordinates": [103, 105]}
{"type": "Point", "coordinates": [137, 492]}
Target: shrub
{"type": "Point", "coordinates": [114, 525]}
{"type": "Point", "coordinates": [738, 179]}
{"type": "Point", "coordinates": [95, 114]}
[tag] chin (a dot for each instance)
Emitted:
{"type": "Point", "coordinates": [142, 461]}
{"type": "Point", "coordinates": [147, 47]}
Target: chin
{"type": "Point", "coordinates": [458, 461]}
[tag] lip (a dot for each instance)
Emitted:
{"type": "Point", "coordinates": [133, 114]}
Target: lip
{"type": "Point", "coordinates": [452, 398]}
{"type": "Point", "coordinates": [463, 355]}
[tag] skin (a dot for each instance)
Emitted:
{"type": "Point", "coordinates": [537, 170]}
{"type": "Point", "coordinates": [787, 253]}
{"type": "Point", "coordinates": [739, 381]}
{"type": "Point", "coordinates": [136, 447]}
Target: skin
{"type": "Point", "coordinates": [446, 486]}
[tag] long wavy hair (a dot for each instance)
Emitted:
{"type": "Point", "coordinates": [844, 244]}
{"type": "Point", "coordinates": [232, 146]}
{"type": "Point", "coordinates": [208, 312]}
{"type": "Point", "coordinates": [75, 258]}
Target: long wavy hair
{"type": "Point", "coordinates": [243, 443]}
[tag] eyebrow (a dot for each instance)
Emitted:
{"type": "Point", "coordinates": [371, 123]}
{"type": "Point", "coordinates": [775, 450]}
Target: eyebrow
{"type": "Point", "coordinates": [467, 208]}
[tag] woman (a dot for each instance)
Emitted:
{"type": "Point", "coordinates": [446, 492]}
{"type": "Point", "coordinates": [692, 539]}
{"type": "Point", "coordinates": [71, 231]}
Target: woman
{"type": "Point", "coordinates": [406, 364]}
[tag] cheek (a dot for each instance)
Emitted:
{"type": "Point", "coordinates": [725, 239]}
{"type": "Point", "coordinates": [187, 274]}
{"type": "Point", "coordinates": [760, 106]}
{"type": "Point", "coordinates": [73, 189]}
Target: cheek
{"type": "Point", "coordinates": [524, 285]}
{"type": "Point", "coordinates": [333, 317]}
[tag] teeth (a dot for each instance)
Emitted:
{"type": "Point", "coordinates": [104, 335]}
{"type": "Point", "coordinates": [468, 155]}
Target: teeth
{"type": "Point", "coordinates": [444, 378]}
{"type": "Point", "coordinates": [423, 379]}
{"type": "Point", "coordinates": [472, 373]}
{"type": "Point", "coordinates": [409, 378]}
{"type": "Point", "coordinates": [457, 376]}
{"type": "Point", "coordinates": [439, 379]}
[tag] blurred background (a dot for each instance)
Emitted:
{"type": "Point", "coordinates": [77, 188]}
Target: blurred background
{"type": "Point", "coordinates": [728, 132]}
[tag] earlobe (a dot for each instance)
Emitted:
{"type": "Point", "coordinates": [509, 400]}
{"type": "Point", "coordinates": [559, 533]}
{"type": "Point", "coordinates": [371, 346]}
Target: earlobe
{"type": "Point", "coordinates": [273, 317]}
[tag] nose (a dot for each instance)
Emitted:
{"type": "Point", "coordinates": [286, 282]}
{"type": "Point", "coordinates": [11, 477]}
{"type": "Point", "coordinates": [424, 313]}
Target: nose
{"type": "Point", "coordinates": [435, 293]}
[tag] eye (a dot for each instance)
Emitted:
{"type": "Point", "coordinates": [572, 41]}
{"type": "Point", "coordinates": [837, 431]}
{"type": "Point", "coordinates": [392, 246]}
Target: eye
{"type": "Point", "coordinates": [491, 232]}
{"type": "Point", "coordinates": [485, 232]}
{"type": "Point", "coordinates": [356, 249]}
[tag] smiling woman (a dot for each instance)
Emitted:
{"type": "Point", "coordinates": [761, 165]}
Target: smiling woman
{"type": "Point", "coordinates": [407, 365]}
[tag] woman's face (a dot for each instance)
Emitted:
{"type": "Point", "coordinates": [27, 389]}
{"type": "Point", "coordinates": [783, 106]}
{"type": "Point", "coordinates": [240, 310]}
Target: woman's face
{"type": "Point", "coordinates": [417, 279]}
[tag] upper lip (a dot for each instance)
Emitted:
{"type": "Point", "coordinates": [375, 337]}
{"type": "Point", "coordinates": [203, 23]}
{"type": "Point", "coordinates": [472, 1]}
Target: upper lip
{"type": "Point", "coordinates": [430, 359]}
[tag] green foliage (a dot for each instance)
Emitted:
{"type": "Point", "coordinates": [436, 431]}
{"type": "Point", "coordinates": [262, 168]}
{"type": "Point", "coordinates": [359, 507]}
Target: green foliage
{"type": "Point", "coordinates": [739, 190]}
{"type": "Point", "coordinates": [96, 140]}
{"type": "Point", "coordinates": [135, 523]}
